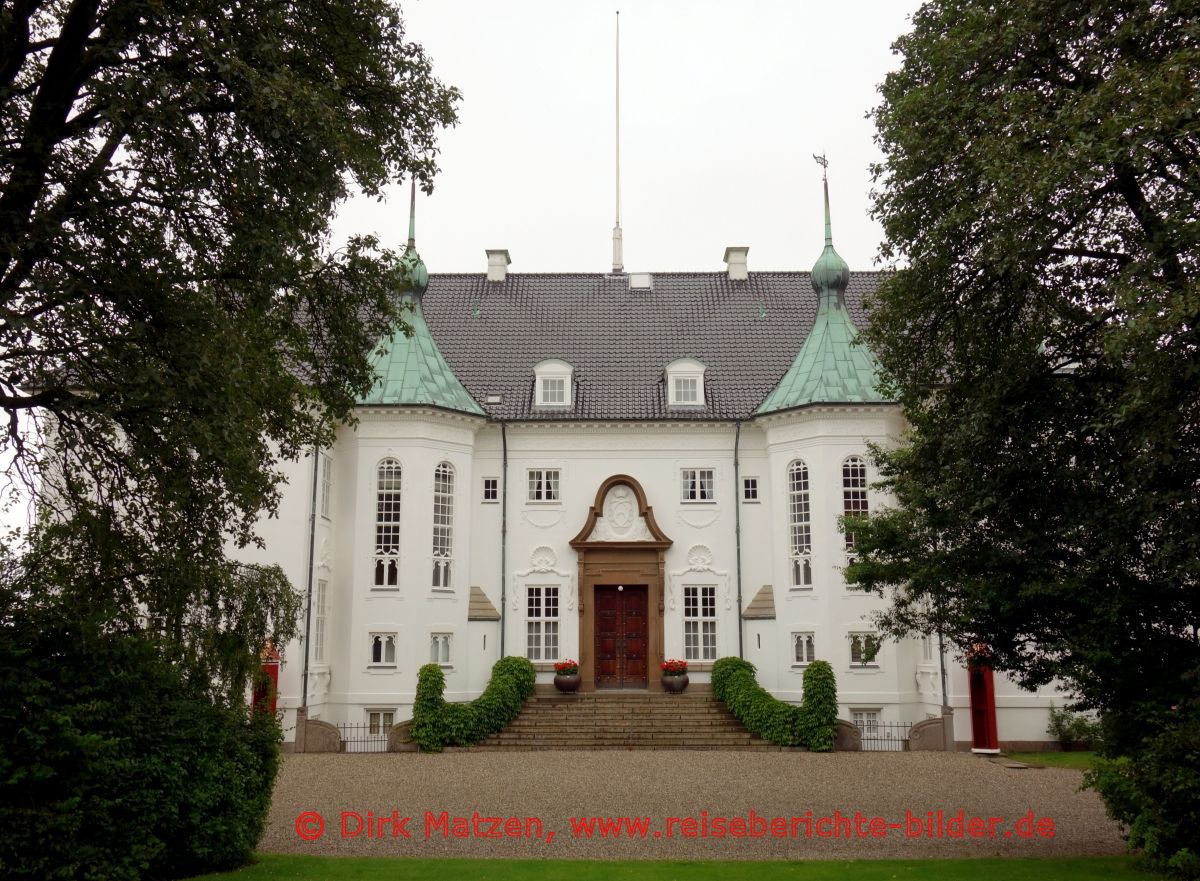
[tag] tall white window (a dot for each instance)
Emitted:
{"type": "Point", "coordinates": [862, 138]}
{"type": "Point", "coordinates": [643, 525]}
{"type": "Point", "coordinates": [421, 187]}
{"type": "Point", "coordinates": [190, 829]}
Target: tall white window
{"type": "Point", "coordinates": [544, 484]}
{"type": "Point", "coordinates": [699, 622]}
{"type": "Point", "coordinates": [854, 491]}
{"type": "Point", "coordinates": [387, 524]}
{"type": "Point", "coordinates": [696, 485]}
{"type": "Point", "coordinates": [541, 627]}
{"type": "Point", "coordinates": [443, 524]}
{"type": "Point", "coordinates": [864, 648]}
{"type": "Point", "coordinates": [439, 649]}
{"type": "Point", "coordinates": [804, 650]}
{"type": "Point", "coordinates": [800, 524]}
{"type": "Point", "coordinates": [926, 648]}
{"type": "Point", "coordinates": [383, 649]}
{"type": "Point", "coordinates": [320, 606]}
{"type": "Point", "coordinates": [326, 485]}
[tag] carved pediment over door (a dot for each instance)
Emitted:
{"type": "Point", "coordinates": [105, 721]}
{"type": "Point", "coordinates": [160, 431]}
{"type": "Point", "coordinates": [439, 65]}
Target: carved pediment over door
{"type": "Point", "coordinates": [620, 517]}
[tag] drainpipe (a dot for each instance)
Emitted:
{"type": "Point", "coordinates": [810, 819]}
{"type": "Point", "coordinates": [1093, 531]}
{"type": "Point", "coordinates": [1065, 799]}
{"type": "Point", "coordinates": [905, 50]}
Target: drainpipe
{"type": "Point", "coordinates": [312, 553]}
{"type": "Point", "coordinates": [503, 531]}
{"type": "Point", "coordinates": [947, 724]}
{"type": "Point", "coordinates": [737, 530]}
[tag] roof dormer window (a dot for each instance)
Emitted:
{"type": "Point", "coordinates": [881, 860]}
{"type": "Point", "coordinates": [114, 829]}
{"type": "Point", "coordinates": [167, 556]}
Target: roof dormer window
{"type": "Point", "coordinates": [685, 383]}
{"type": "Point", "coordinates": [553, 383]}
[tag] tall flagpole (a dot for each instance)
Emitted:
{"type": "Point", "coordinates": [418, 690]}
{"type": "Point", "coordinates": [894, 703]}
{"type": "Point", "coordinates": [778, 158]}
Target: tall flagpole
{"type": "Point", "coordinates": [618, 261]}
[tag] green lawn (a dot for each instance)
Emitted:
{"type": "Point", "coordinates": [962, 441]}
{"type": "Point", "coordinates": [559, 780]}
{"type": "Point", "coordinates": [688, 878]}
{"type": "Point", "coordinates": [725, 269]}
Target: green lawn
{"type": "Point", "coordinates": [1080, 760]}
{"type": "Point", "coordinates": [274, 867]}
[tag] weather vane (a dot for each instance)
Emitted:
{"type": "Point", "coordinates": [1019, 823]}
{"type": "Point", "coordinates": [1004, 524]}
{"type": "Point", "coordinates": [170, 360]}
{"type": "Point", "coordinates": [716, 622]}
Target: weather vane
{"type": "Point", "coordinates": [824, 163]}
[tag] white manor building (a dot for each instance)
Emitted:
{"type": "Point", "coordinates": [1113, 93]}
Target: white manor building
{"type": "Point", "coordinates": [619, 469]}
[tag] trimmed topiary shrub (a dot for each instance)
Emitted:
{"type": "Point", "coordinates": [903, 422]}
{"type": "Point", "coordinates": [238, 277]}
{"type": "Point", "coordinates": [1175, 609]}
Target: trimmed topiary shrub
{"type": "Point", "coordinates": [812, 724]}
{"type": "Point", "coordinates": [437, 724]}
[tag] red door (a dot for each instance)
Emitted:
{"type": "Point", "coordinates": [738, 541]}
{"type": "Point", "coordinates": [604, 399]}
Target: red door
{"type": "Point", "coordinates": [621, 636]}
{"type": "Point", "coordinates": [983, 708]}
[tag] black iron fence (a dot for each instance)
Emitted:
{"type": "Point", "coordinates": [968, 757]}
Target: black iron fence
{"type": "Point", "coordinates": [885, 736]}
{"type": "Point", "coordinates": [363, 737]}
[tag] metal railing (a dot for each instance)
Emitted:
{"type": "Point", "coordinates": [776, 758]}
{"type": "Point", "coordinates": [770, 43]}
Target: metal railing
{"type": "Point", "coordinates": [885, 736]}
{"type": "Point", "coordinates": [363, 737]}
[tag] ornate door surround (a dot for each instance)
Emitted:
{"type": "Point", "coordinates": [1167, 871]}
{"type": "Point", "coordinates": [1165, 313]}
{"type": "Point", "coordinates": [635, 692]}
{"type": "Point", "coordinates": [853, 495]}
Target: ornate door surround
{"type": "Point", "coordinates": [620, 543]}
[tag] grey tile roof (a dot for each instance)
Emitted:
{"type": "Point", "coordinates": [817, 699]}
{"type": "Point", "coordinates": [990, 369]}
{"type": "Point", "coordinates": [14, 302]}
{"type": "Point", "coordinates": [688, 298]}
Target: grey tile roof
{"type": "Point", "coordinates": [619, 340]}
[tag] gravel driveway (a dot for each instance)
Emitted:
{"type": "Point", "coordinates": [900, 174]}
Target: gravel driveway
{"type": "Point", "coordinates": [900, 788]}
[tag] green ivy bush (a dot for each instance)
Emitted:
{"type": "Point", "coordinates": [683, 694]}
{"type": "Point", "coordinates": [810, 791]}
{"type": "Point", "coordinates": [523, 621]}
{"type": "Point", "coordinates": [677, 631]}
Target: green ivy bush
{"type": "Point", "coordinates": [1154, 790]}
{"type": "Point", "coordinates": [812, 724]}
{"type": "Point", "coordinates": [114, 767]}
{"type": "Point", "coordinates": [437, 724]}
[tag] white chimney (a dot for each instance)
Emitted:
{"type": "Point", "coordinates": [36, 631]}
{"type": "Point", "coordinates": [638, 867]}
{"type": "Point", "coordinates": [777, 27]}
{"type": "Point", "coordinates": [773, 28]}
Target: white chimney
{"type": "Point", "coordinates": [735, 259]}
{"type": "Point", "coordinates": [498, 261]}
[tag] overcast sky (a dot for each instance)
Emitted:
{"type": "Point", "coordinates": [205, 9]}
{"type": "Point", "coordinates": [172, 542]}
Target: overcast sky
{"type": "Point", "coordinates": [722, 106]}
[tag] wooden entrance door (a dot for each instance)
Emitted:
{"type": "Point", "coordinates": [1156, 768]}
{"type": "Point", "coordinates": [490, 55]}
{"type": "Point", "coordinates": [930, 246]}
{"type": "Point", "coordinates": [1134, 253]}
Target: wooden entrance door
{"type": "Point", "coordinates": [622, 630]}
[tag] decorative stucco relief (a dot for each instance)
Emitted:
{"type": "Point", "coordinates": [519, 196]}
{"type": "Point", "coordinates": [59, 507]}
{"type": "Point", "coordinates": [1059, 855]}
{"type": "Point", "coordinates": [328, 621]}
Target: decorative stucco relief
{"type": "Point", "coordinates": [700, 559]}
{"type": "Point", "coordinates": [698, 518]}
{"type": "Point", "coordinates": [542, 519]}
{"type": "Point", "coordinates": [620, 520]}
{"type": "Point", "coordinates": [543, 562]}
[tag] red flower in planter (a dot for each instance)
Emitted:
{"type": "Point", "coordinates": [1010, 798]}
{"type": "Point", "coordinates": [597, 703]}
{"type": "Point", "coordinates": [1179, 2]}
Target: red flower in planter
{"type": "Point", "coordinates": [566, 668]}
{"type": "Point", "coordinates": [674, 667]}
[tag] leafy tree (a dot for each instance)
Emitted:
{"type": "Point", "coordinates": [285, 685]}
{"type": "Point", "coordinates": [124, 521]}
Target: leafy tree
{"type": "Point", "coordinates": [172, 322]}
{"type": "Point", "coordinates": [1040, 186]}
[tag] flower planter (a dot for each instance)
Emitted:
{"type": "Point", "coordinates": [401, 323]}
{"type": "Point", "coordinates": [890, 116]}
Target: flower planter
{"type": "Point", "coordinates": [567, 683]}
{"type": "Point", "coordinates": [674, 684]}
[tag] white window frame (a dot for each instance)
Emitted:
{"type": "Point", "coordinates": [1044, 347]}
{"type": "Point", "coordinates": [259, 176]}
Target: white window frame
{"type": "Point", "coordinates": [326, 464]}
{"type": "Point", "coordinates": [799, 498]}
{"type": "Point", "coordinates": [383, 636]}
{"type": "Point", "coordinates": [858, 643]}
{"type": "Point", "coordinates": [389, 491]}
{"type": "Point", "coordinates": [804, 648]}
{"type": "Point", "coordinates": [543, 630]}
{"type": "Point", "coordinates": [320, 620]}
{"type": "Point", "coordinates": [692, 486]}
{"type": "Point", "coordinates": [700, 622]}
{"type": "Point", "coordinates": [750, 493]}
{"type": "Point", "coordinates": [548, 488]}
{"type": "Point", "coordinates": [495, 488]}
{"type": "Point", "coordinates": [441, 646]}
{"type": "Point", "coordinates": [687, 370]}
{"type": "Point", "coordinates": [552, 370]}
{"type": "Point", "coordinates": [380, 720]}
{"type": "Point", "coordinates": [867, 719]}
{"type": "Point", "coordinates": [854, 494]}
{"type": "Point", "coordinates": [926, 648]}
{"type": "Point", "coordinates": [442, 573]}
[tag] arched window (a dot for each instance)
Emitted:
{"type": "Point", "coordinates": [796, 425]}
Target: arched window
{"type": "Point", "coordinates": [443, 524]}
{"type": "Point", "coordinates": [854, 492]}
{"type": "Point", "coordinates": [387, 524]}
{"type": "Point", "coordinates": [800, 524]}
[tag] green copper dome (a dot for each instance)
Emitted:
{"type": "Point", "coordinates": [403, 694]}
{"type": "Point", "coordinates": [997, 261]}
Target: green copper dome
{"type": "Point", "coordinates": [832, 367]}
{"type": "Point", "coordinates": [410, 369]}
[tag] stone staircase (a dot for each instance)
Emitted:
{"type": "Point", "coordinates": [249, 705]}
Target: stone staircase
{"type": "Point", "coordinates": [625, 720]}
